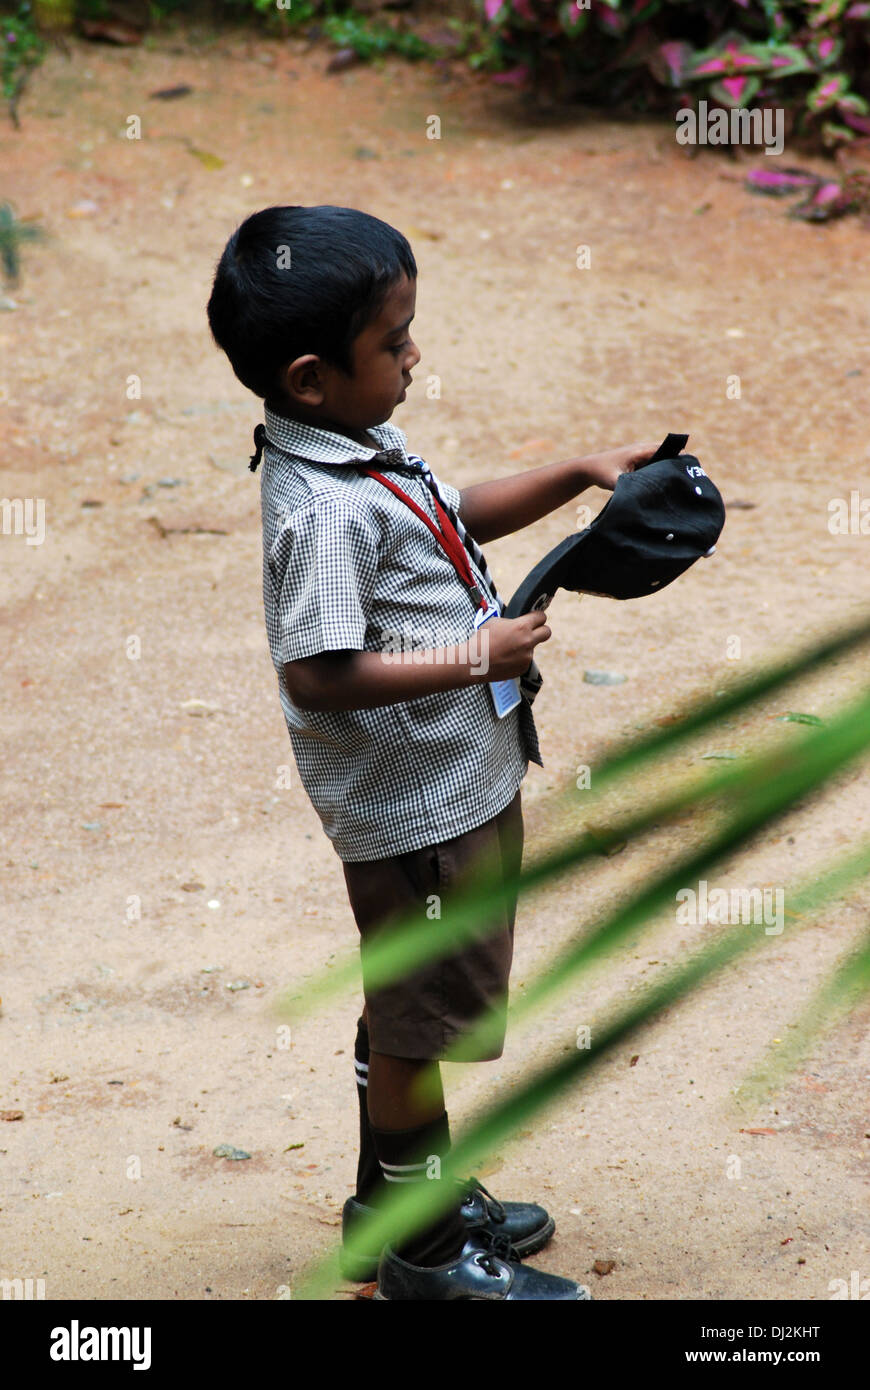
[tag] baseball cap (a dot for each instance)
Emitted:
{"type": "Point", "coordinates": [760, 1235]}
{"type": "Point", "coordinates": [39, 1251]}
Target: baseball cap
{"type": "Point", "coordinates": [661, 518]}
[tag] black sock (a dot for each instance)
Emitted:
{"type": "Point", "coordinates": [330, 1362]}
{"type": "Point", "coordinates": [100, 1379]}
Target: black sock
{"type": "Point", "coordinates": [407, 1155]}
{"type": "Point", "coordinates": [369, 1177]}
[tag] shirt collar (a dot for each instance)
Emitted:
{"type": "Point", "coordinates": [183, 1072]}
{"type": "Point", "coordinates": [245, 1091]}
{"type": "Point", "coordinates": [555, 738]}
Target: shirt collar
{"type": "Point", "coordinates": [323, 446]}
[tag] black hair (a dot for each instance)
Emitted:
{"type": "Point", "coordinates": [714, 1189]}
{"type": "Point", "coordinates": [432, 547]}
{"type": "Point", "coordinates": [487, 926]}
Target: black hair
{"type": "Point", "coordinates": [294, 280]}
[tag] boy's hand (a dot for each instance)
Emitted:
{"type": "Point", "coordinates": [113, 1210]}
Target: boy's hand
{"type": "Point", "coordinates": [603, 470]}
{"type": "Point", "coordinates": [511, 644]}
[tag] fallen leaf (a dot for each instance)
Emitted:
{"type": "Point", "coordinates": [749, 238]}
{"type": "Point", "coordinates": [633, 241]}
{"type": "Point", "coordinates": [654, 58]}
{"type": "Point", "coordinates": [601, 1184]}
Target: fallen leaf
{"type": "Point", "coordinates": [344, 58]}
{"type": "Point", "coordinates": [531, 446]}
{"type": "Point", "coordinates": [170, 93]}
{"type": "Point", "coordinates": [11, 1114]}
{"type": "Point", "coordinates": [211, 161]}
{"type": "Point", "coordinates": [757, 1131]}
{"type": "Point", "coordinates": [602, 1267]}
{"type": "Point", "coordinates": [110, 31]}
{"type": "Point", "coordinates": [633, 1062]}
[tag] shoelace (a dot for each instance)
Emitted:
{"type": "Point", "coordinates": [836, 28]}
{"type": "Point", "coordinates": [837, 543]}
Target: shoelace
{"type": "Point", "coordinates": [494, 1208]}
{"type": "Point", "coordinates": [496, 1248]}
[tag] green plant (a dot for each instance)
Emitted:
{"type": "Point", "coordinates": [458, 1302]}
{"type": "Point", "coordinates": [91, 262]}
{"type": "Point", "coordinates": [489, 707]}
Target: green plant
{"type": "Point", "coordinates": [290, 16]}
{"type": "Point", "coordinates": [373, 40]}
{"type": "Point", "coordinates": [730, 808]}
{"type": "Point", "coordinates": [12, 233]}
{"type": "Point", "coordinates": [810, 56]}
{"type": "Point", "coordinates": [23, 47]}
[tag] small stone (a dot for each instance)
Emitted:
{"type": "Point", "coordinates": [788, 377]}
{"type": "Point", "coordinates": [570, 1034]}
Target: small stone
{"type": "Point", "coordinates": [603, 678]}
{"type": "Point", "coordinates": [198, 708]}
{"type": "Point", "coordinates": [237, 984]}
{"type": "Point", "coordinates": [230, 1152]}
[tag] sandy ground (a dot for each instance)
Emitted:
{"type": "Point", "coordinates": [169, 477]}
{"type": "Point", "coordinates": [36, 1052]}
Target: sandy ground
{"type": "Point", "coordinates": [124, 1044]}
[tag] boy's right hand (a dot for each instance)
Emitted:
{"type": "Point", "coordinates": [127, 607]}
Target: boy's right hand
{"type": "Point", "coordinates": [511, 644]}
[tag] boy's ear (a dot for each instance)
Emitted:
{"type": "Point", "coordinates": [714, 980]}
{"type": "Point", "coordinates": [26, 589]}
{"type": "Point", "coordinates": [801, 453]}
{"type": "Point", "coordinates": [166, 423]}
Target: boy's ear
{"type": "Point", "coordinates": [302, 380]}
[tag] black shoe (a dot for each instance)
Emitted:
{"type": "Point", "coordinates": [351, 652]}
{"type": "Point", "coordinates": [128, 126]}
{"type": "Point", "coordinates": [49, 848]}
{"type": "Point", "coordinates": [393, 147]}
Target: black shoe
{"type": "Point", "coordinates": [527, 1226]}
{"type": "Point", "coordinates": [485, 1269]}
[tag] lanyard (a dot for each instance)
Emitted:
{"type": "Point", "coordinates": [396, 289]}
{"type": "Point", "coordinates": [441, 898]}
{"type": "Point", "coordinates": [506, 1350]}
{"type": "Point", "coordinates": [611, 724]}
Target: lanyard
{"type": "Point", "coordinates": [448, 538]}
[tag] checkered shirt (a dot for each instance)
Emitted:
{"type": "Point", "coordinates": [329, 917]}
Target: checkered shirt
{"type": "Point", "coordinates": [348, 566]}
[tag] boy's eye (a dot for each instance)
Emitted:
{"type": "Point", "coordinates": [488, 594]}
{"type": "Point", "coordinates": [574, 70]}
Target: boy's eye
{"type": "Point", "coordinates": [400, 347]}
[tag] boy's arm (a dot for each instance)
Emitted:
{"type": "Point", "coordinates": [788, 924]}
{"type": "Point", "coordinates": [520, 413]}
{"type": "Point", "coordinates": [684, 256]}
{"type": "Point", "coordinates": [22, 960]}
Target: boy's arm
{"type": "Point", "coordinates": [363, 680]}
{"type": "Point", "coordinates": [497, 508]}
{"type": "Point", "coordinates": [343, 680]}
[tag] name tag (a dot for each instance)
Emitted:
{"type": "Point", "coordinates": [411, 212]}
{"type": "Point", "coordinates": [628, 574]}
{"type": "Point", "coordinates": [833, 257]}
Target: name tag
{"type": "Point", "coordinates": [505, 694]}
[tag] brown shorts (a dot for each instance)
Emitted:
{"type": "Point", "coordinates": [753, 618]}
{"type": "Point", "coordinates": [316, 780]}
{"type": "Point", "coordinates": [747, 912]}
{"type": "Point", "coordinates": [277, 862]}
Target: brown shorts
{"type": "Point", "coordinates": [420, 1016]}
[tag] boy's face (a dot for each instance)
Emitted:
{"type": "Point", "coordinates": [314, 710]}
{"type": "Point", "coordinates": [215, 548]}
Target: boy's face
{"type": "Point", "coordinates": [383, 356]}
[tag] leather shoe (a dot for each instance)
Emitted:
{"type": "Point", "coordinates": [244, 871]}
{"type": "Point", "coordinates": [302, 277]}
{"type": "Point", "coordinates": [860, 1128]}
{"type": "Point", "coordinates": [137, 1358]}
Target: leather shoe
{"type": "Point", "coordinates": [526, 1225]}
{"type": "Point", "coordinates": [484, 1270]}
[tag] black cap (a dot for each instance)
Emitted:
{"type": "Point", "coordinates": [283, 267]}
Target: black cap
{"type": "Point", "coordinates": [660, 520]}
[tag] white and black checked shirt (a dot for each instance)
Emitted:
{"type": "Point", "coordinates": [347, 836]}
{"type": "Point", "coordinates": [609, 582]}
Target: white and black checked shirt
{"type": "Point", "coordinates": [348, 566]}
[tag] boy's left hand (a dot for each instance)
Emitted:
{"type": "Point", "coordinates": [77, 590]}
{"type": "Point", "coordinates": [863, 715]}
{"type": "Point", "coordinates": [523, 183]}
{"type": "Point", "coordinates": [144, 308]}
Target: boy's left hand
{"type": "Point", "coordinates": [603, 470]}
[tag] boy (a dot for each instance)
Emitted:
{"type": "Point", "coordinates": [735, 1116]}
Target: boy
{"type": "Point", "coordinates": [414, 773]}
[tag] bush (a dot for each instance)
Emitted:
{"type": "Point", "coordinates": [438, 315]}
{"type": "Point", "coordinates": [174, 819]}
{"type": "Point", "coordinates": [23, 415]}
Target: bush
{"type": "Point", "coordinates": [811, 57]}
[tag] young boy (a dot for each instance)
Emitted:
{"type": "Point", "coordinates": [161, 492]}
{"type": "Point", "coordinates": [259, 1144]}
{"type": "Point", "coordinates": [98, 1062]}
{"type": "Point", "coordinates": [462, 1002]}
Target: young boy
{"type": "Point", "coordinates": [413, 771]}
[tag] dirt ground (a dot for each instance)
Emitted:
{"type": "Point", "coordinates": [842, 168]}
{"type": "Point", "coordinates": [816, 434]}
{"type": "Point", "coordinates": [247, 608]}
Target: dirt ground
{"type": "Point", "coordinates": [125, 1045]}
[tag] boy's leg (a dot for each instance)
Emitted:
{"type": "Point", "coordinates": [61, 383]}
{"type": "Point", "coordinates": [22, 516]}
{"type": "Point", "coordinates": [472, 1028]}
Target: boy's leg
{"type": "Point", "coordinates": [417, 1018]}
{"type": "Point", "coordinates": [388, 1099]}
{"type": "Point", "coordinates": [407, 1134]}
{"type": "Point", "coordinates": [399, 1134]}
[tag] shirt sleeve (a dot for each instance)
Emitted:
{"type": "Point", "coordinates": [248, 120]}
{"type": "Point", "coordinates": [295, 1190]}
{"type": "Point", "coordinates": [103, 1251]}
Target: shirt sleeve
{"type": "Point", "coordinates": [323, 564]}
